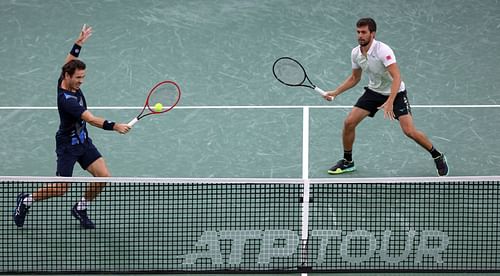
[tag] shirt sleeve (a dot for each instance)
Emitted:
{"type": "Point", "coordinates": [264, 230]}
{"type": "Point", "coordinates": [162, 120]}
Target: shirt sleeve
{"type": "Point", "coordinates": [386, 55]}
{"type": "Point", "coordinates": [71, 105]}
{"type": "Point", "coordinates": [354, 55]}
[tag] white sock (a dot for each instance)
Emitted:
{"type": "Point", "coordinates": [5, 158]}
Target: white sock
{"type": "Point", "coordinates": [82, 204]}
{"type": "Point", "coordinates": [28, 201]}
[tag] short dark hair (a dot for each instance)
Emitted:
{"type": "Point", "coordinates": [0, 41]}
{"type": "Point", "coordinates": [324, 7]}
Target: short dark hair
{"type": "Point", "coordinates": [367, 21]}
{"type": "Point", "coordinates": [71, 67]}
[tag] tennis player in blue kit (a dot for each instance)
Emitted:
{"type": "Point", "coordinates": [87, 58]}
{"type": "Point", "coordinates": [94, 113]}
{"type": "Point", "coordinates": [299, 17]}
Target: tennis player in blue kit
{"type": "Point", "coordinates": [72, 141]}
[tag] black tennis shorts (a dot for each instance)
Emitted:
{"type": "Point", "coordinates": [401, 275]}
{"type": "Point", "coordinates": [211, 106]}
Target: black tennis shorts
{"type": "Point", "coordinates": [67, 156]}
{"type": "Point", "coordinates": [371, 101]}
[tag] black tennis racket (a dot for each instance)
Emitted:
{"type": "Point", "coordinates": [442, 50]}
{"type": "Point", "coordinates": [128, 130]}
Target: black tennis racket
{"type": "Point", "coordinates": [290, 72]}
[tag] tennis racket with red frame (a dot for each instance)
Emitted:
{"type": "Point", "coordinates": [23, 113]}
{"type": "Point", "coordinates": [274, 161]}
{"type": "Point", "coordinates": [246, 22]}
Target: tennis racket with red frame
{"type": "Point", "coordinates": [290, 72]}
{"type": "Point", "coordinates": [166, 93]}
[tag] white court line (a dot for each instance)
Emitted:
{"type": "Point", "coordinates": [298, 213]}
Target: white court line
{"type": "Point", "coordinates": [246, 107]}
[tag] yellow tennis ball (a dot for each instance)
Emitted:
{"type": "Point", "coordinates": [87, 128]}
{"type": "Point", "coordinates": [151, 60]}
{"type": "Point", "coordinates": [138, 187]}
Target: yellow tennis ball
{"type": "Point", "coordinates": [158, 107]}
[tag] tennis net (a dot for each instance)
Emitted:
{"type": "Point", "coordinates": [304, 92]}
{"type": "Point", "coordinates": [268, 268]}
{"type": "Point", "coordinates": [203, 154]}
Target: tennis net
{"type": "Point", "coordinates": [257, 225]}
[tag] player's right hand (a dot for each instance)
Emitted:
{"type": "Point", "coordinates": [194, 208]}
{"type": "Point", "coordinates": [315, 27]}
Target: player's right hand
{"type": "Point", "coordinates": [329, 96]}
{"type": "Point", "coordinates": [121, 128]}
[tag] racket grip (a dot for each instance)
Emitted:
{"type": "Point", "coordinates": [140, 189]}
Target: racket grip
{"type": "Point", "coordinates": [131, 123]}
{"type": "Point", "coordinates": [322, 92]}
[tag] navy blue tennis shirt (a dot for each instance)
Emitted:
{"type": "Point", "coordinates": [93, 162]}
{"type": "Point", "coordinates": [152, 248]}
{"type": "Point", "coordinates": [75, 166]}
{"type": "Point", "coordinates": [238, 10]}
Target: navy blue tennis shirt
{"type": "Point", "coordinates": [71, 105]}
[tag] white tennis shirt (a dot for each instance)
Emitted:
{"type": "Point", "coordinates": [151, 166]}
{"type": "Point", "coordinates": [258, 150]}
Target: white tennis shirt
{"type": "Point", "coordinates": [375, 64]}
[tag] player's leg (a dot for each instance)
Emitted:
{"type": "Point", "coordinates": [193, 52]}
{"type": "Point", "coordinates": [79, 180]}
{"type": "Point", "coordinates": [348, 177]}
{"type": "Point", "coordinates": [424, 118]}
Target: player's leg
{"type": "Point", "coordinates": [50, 190]}
{"type": "Point", "coordinates": [408, 128]}
{"type": "Point", "coordinates": [350, 123]}
{"type": "Point", "coordinates": [352, 120]}
{"type": "Point", "coordinates": [403, 114]}
{"type": "Point", "coordinates": [366, 105]}
{"type": "Point", "coordinates": [66, 160]}
{"type": "Point", "coordinates": [98, 169]}
{"type": "Point", "coordinates": [93, 162]}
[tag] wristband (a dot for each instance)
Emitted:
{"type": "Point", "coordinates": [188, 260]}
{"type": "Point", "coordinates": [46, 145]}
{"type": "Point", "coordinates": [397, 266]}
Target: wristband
{"type": "Point", "coordinates": [75, 51]}
{"type": "Point", "coordinates": [107, 125]}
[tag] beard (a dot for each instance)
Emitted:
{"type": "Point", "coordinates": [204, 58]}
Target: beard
{"type": "Point", "coordinates": [363, 43]}
{"type": "Point", "coordinates": [75, 86]}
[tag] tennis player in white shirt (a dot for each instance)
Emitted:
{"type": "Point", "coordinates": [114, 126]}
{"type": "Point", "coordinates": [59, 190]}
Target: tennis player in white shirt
{"type": "Point", "coordinates": [385, 91]}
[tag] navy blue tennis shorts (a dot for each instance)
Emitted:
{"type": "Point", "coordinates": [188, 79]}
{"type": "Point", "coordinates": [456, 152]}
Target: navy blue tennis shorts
{"type": "Point", "coordinates": [371, 101]}
{"type": "Point", "coordinates": [67, 155]}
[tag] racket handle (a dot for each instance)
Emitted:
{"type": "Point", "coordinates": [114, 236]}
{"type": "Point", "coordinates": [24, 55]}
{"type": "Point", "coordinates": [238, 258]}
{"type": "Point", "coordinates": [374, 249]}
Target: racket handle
{"type": "Point", "coordinates": [131, 123]}
{"type": "Point", "coordinates": [322, 92]}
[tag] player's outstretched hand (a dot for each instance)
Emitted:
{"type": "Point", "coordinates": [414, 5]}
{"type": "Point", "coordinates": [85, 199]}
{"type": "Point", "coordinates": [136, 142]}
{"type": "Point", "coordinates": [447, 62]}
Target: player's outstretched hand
{"type": "Point", "coordinates": [330, 95]}
{"type": "Point", "coordinates": [84, 34]}
{"type": "Point", "coordinates": [121, 128]}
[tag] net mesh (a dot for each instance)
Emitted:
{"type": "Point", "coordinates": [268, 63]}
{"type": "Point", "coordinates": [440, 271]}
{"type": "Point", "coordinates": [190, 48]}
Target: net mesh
{"type": "Point", "coordinates": [171, 225]}
{"type": "Point", "coordinates": [420, 226]}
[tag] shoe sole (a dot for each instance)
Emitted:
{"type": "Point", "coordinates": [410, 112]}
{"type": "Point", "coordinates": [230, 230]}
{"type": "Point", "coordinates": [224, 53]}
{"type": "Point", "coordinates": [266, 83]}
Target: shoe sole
{"type": "Point", "coordinates": [340, 171]}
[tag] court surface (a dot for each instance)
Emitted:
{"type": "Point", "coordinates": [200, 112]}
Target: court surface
{"type": "Point", "coordinates": [221, 53]}
{"type": "Point", "coordinates": [235, 120]}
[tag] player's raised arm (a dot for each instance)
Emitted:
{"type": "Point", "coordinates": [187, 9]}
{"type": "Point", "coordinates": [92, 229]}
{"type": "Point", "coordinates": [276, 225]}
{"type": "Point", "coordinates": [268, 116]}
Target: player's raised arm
{"type": "Point", "coordinates": [85, 33]}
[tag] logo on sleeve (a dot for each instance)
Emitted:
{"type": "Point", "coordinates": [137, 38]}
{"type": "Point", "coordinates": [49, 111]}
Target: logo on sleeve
{"type": "Point", "coordinates": [388, 57]}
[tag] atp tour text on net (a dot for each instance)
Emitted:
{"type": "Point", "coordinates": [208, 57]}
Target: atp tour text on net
{"type": "Point", "coordinates": [283, 243]}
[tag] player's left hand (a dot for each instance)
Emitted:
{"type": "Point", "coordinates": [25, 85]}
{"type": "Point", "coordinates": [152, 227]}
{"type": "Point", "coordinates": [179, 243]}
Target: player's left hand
{"type": "Point", "coordinates": [388, 110]}
{"type": "Point", "coordinates": [84, 34]}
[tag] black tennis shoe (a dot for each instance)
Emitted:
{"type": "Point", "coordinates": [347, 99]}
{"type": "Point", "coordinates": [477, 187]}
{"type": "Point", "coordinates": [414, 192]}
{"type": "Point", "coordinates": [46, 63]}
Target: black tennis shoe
{"type": "Point", "coordinates": [82, 216]}
{"type": "Point", "coordinates": [21, 210]}
{"type": "Point", "coordinates": [342, 166]}
{"type": "Point", "coordinates": [441, 165]}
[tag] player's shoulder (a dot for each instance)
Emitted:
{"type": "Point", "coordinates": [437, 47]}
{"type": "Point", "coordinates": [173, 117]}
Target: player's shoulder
{"type": "Point", "coordinates": [356, 50]}
{"type": "Point", "coordinates": [384, 53]}
{"type": "Point", "coordinates": [66, 96]}
{"type": "Point", "coordinates": [381, 47]}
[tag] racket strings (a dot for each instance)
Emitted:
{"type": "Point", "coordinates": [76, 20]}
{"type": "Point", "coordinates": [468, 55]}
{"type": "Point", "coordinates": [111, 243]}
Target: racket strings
{"type": "Point", "coordinates": [289, 72]}
{"type": "Point", "coordinates": [166, 94]}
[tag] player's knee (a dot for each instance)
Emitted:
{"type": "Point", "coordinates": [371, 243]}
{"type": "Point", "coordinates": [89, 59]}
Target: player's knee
{"type": "Point", "coordinates": [103, 173]}
{"type": "Point", "coordinates": [107, 174]}
{"type": "Point", "coordinates": [349, 124]}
